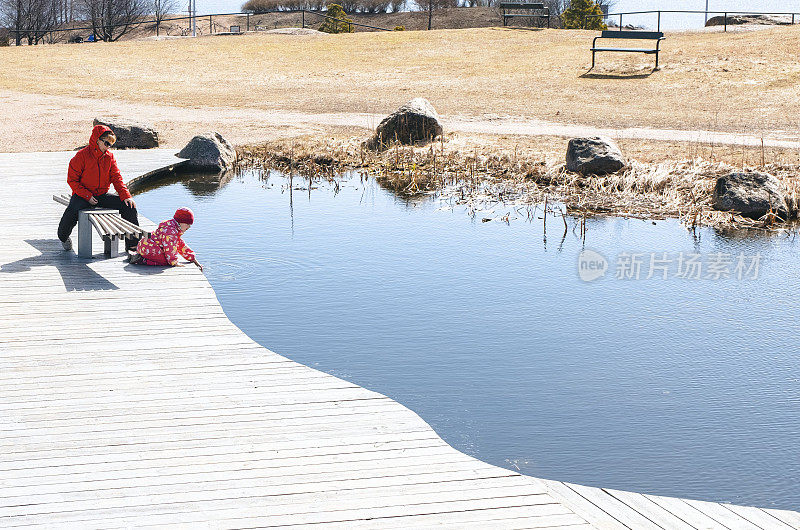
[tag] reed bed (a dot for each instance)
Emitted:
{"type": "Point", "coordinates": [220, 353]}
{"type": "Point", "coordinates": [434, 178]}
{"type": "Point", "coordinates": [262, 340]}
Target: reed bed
{"type": "Point", "coordinates": [481, 178]}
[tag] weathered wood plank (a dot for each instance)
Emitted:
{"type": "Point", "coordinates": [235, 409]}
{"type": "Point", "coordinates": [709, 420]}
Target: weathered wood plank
{"type": "Point", "coordinates": [615, 508]}
{"type": "Point", "coordinates": [594, 514]}
{"type": "Point", "coordinates": [649, 509]}
{"type": "Point", "coordinates": [686, 512]}
{"type": "Point", "coordinates": [719, 513]}
{"type": "Point", "coordinates": [758, 517]}
{"type": "Point", "coordinates": [790, 518]}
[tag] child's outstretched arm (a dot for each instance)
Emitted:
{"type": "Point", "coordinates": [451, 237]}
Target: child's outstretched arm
{"type": "Point", "coordinates": [186, 252]}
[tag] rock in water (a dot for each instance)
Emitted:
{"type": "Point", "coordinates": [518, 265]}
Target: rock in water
{"type": "Point", "coordinates": [594, 156]}
{"type": "Point", "coordinates": [209, 152]}
{"type": "Point", "coordinates": [751, 194]}
{"type": "Point", "coordinates": [414, 122]}
{"type": "Point", "coordinates": [130, 134]}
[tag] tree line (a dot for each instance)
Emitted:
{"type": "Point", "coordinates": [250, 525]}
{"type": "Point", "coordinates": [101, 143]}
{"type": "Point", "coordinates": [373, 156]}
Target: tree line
{"type": "Point", "coordinates": [557, 7]}
{"type": "Point", "coordinates": [32, 21]}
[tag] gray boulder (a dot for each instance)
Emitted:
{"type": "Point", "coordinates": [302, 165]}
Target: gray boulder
{"type": "Point", "coordinates": [130, 134]}
{"type": "Point", "coordinates": [209, 152]}
{"type": "Point", "coordinates": [414, 122]}
{"type": "Point", "coordinates": [594, 156]}
{"type": "Point", "coordinates": [751, 194]}
{"type": "Point", "coordinates": [737, 20]}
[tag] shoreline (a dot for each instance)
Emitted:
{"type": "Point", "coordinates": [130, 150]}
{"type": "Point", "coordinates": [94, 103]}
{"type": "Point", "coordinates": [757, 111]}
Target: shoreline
{"type": "Point", "coordinates": [471, 173]}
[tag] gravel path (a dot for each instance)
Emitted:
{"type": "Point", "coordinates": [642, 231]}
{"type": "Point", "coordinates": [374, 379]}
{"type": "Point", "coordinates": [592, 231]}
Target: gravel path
{"type": "Point", "coordinates": [34, 122]}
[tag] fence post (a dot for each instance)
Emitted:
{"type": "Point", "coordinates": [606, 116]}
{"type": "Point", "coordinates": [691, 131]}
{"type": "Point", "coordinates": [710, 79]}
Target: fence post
{"type": "Point", "coordinates": [658, 28]}
{"type": "Point", "coordinates": [725, 21]}
{"type": "Point", "coordinates": [248, 21]}
{"type": "Point", "coordinates": [620, 21]}
{"type": "Point", "coordinates": [792, 19]}
{"type": "Point", "coordinates": [210, 27]}
{"type": "Point", "coordinates": [303, 13]}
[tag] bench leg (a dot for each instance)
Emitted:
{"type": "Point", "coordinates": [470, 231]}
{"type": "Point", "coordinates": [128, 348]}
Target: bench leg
{"type": "Point", "coordinates": [592, 59]}
{"type": "Point", "coordinates": [111, 247]}
{"type": "Point", "coordinates": [84, 235]}
{"type": "Point", "coordinates": [656, 60]}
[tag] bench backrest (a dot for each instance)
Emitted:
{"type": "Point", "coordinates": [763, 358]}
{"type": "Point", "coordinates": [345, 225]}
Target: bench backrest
{"type": "Point", "coordinates": [615, 34]}
{"type": "Point", "coordinates": [519, 5]}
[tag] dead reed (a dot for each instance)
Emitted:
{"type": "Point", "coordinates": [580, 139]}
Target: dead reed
{"type": "Point", "coordinates": [481, 178]}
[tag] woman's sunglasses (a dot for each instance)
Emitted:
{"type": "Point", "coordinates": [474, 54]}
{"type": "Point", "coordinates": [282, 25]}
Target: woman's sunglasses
{"type": "Point", "coordinates": [108, 144]}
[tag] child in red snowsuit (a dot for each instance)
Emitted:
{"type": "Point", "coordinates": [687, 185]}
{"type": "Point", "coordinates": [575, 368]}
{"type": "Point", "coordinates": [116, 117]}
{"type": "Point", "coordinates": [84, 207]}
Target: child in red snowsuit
{"type": "Point", "coordinates": [165, 243]}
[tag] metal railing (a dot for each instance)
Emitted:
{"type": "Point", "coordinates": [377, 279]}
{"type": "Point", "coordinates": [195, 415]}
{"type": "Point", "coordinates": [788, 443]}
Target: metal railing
{"type": "Point", "coordinates": [725, 15]}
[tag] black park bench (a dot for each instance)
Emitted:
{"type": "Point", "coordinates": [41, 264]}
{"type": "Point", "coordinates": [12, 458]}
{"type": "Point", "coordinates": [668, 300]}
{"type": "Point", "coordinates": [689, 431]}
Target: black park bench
{"type": "Point", "coordinates": [523, 9]}
{"type": "Point", "coordinates": [108, 223]}
{"type": "Point", "coordinates": [657, 36]}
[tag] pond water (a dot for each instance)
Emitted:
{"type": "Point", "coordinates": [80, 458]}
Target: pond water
{"type": "Point", "coordinates": [681, 386]}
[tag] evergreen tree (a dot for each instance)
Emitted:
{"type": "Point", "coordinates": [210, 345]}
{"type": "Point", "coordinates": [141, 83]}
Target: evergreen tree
{"type": "Point", "coordinates": [584, 14]}
{"type": "Point", "coordinates": [340, 25]}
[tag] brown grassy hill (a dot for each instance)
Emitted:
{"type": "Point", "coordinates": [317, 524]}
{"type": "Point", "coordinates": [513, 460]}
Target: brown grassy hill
{"type": "Point", "coordinates": [731, 82]}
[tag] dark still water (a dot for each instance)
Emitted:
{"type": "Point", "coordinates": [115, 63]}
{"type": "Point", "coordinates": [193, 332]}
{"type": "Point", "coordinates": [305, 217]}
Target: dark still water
{"type": "Point", "coordinates": [686, 386]}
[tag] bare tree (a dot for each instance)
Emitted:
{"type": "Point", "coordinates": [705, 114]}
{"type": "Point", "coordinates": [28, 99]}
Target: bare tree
{"type": "Point", "coordinates": [557, 6]}
{"type": "Point", "coordinates": [111, 19]}
{"type": "Point", "coordinates": [162, 9]}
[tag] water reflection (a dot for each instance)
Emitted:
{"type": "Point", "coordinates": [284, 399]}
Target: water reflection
{"type": "Point", "coordinates": [667, 384]}
{"type": "Point", "coordinates": [198, 184]}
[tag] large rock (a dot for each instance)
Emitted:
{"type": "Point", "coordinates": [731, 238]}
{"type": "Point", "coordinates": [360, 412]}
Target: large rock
{"type": "Point", "coordinates": [751, 194]}
{"type": "Point", "coordinates": [736, 20]}
{"type": "Point", "coordinates": [209, 152]}
{"type": "Point", "coordinates": [414, 122]}
{"type": "Point", "coordinates": [130, 134]}
{"type": "Point", "coordinates": [594, 156]}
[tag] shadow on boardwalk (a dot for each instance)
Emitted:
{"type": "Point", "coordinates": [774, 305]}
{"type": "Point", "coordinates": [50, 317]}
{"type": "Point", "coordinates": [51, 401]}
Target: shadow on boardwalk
{"type": "Point", "coordinates": [75, 272]}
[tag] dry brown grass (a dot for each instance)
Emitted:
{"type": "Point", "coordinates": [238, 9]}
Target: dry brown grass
{"type": "Point", "coordinates": [743, 82]}
{"type": "Point", "coordinates": [482, 172]}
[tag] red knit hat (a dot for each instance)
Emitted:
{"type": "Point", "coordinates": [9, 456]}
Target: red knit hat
{"type": "Point", "coordinates": [184, 215]}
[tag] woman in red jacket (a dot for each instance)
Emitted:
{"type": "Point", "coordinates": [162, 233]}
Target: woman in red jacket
{"type": "Point", "coordinates": [91, 172]}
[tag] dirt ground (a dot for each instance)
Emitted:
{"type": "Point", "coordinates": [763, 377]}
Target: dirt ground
{"type": "Point", "coordinates": [489, 84]}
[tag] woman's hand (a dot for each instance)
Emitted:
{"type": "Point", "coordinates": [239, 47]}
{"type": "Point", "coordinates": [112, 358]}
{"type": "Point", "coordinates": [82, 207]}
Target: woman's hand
{"type": "Point", "coordinates": [130, 202]}
{"type": "Point", "coordinates": [198, 265]}
{"type": "Point", "coordinates": [93, 201]}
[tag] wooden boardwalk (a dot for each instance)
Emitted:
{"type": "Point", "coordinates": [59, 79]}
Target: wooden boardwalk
{"type": "Point", "coordinates": [128, 399]}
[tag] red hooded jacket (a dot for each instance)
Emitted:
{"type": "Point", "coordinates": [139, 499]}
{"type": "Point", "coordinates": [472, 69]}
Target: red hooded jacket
{"type": "Point", "coordinates": [91, 172]}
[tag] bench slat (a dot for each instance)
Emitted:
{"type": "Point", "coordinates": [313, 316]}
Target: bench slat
{"type": "Point", "coordinates": [512, 5]}
{"type": "Point", "coordinates": [132, 228]}
{"type": "Point", "coordinates": [648, 35]}
{"type": "Point", "coordinates": [640, 50]}
{"type": "Point", "coordinates": [106, 232]}
{"type": "Point", "coordinates": [62, 199]}
{"type": "Point", "coordinates": [96, 225]}
{"type": "Point", "coordinates": [111, 222]}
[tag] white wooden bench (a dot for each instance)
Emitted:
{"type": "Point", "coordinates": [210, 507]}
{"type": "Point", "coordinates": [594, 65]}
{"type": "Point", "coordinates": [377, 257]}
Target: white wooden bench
{"type": "Point", "coordinates": [108, 223]}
